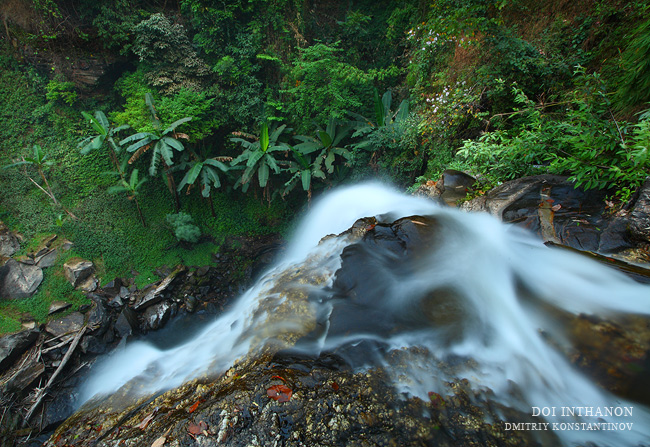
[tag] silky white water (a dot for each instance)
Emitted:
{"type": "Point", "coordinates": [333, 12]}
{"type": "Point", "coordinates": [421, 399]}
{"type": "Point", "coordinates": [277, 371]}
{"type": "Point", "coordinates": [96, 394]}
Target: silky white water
{"type": "Point", "coordinates": [479, 294]}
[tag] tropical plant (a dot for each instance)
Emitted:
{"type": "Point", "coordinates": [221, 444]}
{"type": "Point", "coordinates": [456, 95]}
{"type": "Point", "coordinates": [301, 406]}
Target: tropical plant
{"type": "Point", "coordinates": [208, 173]}
{"type": "Point", "coordinates": [105, 133]}
{"type": "Point", "coordinates": [326, 144]}
{"type": "Point", "coordinates": [41, 162]}
{"type": "Point", "coordinates": [258, 155]}
{"type": "Point", "coordinates": [302, 170]}
{"type": "Point", "coordinates": [131, 188]}
{"type": "Point", "coordinates": [163, 142]}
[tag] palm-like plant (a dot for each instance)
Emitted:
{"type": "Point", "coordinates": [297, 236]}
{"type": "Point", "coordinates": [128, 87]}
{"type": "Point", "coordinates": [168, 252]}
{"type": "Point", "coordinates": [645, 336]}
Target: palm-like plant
{"type": "Point", "coordinates": [162, 142]}
{"type": "Point", "coordinates": [303, 170]}
{"type": "Point", "coordinates": [258, 155]}
{"type": "Point", "coordinates": [104, 133]}
{"type": "Point", "coordinates": [41, 162]}
{"type": "Point", "coordinates": [327, 144]}
{"type": "Point", "coordinates": [208, 173]}
{"type": "Point", "coordinates": [131, 188]}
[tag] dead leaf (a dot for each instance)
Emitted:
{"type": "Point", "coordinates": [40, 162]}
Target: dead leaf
{"type": "Point", "coordinates": [280, 393]}
{"type": "Point", "coordinates": [145, 422]}
{"type": "Point", "coordinates": [556, 207]}
{"type": "Point", "coordinates": [197, 429]}
{"type": "Point", "coordinates": [160, 442]}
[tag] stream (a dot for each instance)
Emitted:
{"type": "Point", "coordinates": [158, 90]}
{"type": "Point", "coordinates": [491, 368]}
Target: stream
{"type": "Point", "coordinates": [459, 295]}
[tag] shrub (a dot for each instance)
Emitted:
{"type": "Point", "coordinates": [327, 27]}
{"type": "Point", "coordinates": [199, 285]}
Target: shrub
{"type": "Point", "coordinates": [184, 228]}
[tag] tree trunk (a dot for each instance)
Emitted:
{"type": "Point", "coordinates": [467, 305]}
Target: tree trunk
{"type": "Point", "coordinates": [211, 206]}
{"type": "Point", "coordinates": [171, 185]}
{"type": "Point", "coordinates": [137, 205]}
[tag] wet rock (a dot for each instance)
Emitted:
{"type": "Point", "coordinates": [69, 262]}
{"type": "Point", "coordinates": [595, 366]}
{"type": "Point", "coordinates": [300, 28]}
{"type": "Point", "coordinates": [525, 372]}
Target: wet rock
{"type": "Point", "coordinates": [58, 306]}
{"type": "Point", "coordinates": [552, 207]}
{"type": "Point", "coordinates": [92, 345]}
{"type": "Point", "coordinates": [153, 294]}
{"type": "Point", "coordinates": [156, 316]}
{"type": "Point", "coordinates": [59, 408]}
{"type": "Point", "coordinates": [9, 243]}
{"type": "Point", "coordinates": [14, 345]}
{"type": "Point", "coordinates": [18, 280]}
{"type": "Point", "coordinates": [127, 322]}
{"type": "Point", "coordinates": [76, 270]}
{"type": "Point", "coordinates": [640, 216]}
{"type": "Point", "coordinates": [190, 303]}
{"type": "Point", "coordinates": [69, 324]}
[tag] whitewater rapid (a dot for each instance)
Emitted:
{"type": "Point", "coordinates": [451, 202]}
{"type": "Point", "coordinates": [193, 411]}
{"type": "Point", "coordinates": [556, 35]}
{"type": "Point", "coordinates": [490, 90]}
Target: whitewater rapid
{"type": "Point", "coordinates": [487, 265]}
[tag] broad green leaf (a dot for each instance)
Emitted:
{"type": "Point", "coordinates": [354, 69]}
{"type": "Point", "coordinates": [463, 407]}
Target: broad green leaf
{"type": "Point", "coordinates": [264, 137]}
{"type": "Point", "coordinates": [263, 174]}
{"type": "Point", "coordinates": [166, 151]}
{"type": "Point", "coordinates": [270, 161]}
{"type": "Point", "coordinates": [306, 179]}
{"type": "Point", "coordinates": [101, 119]}
{"type": "Point", "coordinates": [138, 136]}
{"type": "Point", "coordinates": [254, 158]}
{"type": "Point", "coordinates": [177, 123]}
{"type": "Point", "coordinates": [216, 164]}
{"type": "Point", "coordinates": [143, 142]}
{"type": "Point", "coordinates": [173, 142]}
{"type": "Point", "coordinates": [325, 138]}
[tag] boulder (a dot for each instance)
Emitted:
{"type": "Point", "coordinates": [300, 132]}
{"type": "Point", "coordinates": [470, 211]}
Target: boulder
{"type": "Point", "coordinates": [640, 215]}
{"type": "Point", "coordinates": [69, 324]}
{"type": "Point", "coordinates": [14, 345]}
{"type": "Point", "coordinates": [18, 280]}
{"type": "Point", "coordinates": [452, 186]}
{"type": "Point", "coordinates": [559, 213]}
{"type": "Point", "coordinates": [127, 322]}
{"type": "Point", "coordinates": [76, 270]}
{"type": "Point", "coordinates": [46, 259]}
{"type": "Point", "coordinates": [156, 316]}
{"type": "Point", "coordinates": [9, 243]}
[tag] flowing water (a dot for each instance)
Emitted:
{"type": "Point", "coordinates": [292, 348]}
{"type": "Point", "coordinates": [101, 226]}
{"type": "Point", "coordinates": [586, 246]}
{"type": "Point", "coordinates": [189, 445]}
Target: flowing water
{"type": "Point", "coordinates": [484, 298]}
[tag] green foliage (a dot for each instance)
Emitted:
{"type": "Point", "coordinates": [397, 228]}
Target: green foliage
{"type": "Point", "coordinates": [323, 86]}
{"type": "Point", "coordinates": [208, 171]}
{"type": "Point", "coordinates": [160, 141]}
{"type": "Point", "coordinates": [115, 24]}
{"type": "Point", "coordinates": [634, 88]}
{"type": "Point", "coordinates": [259, 155]}
{"type": "Point", "coordinates": [184, 227]}
{"type": "Point", "coordinates": [587, 142]}
{"type": "Point", "coordinates": [165, 48]}
{"type": "Point", "coordinates": [59, 90]}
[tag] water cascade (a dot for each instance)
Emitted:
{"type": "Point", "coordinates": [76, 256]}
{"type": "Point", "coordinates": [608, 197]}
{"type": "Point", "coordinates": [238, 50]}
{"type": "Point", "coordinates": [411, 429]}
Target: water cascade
{"type": "Point", "coordinates": [484, 302]}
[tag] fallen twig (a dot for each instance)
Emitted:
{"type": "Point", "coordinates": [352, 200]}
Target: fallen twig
{"type": "Point", "coordinates": [41, 393]}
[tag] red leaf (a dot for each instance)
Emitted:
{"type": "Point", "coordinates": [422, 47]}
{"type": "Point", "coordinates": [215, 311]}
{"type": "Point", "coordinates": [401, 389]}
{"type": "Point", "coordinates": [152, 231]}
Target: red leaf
{"type": "Point", "coordinates": [436, 399]}
{"type": "Point", "coordinates": [193, 408]}
{"type": "Point", "coordinates": [278, 377]}
{"type": "Point", "coordinates": [280, 393]}
{"type": "Point", "coordinates": [335, 386]}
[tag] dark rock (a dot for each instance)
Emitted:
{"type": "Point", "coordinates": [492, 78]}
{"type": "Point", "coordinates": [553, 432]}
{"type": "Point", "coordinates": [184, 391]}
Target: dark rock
{"type": "Point", "coordinates": [156, 316]}
{"type": "Point", "coordinates": [127, 322]}
{"type": "Point", "coordinates": [77, 270]}
{"type": "Point", "coordinates": [84, 308]}
{"type": "Point", "coordinates": [552, 207]}
{"type": "Point", "coordinates": [60, 408]}
{"type": "Point", "coordinates": [640, 215]}
{"type": "Point", "coordinates": [18, 280]}
{"type": "Point", "coordinates": [190, 303]}
{"type": "Point", "coordinates": [48, 259]}
{"type": "Point", "coordinates": [9, 243]}
{"type": "Point", "coordinates": [202, 271]}
{"type": "Point", "coordinates": [92, 345]}
{"type": "Point", "coordinates": [98, 319]}
{"type": "Point", "coordinates": [113, 287]}
{"type": "Point", "coordinates": [14, 345]}
{"type": "Point", "coordinates": [69, 324]}
{"type": "Point", "coordinates": [58, 306]}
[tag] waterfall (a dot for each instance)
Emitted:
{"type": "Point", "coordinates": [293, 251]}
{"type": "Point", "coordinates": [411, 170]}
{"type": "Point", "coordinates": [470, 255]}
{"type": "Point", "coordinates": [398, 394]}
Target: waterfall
{"type": "Point", "coordinates": [484, 296]}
